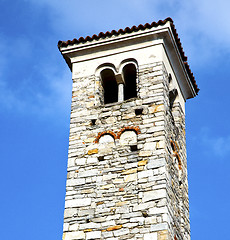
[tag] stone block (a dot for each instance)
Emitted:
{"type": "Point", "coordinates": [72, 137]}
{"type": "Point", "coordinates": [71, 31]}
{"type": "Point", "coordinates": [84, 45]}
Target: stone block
{"type": "Point", "coordinates": [109, 177]}
{"type": "Point", "coordinates": [156, 163]}
{"type": "Point", "coordinates": [89, 140]}
{"type": "Point", "coordinates": [79, 202]}
{"type": "Point", "coordinates": [145, 153]}
{"type": "Point", "coordinates": [71, 162]}
{"type": "Point", "coordinates": [118, 181]}
{"type": "Point", "coordinates": [145, 174]}
{"type": "Point", "coordinates": [129, 171]}
{"type": "Point", "coordinates": [121, 232]}
{"type": "Point", "coordinates": [105, 149]}
{"type": "Point", "coordinates": [108, 223]}
{"type": "Point", "coordinates": [65, 227]}
{"type": "Point", "coordinates": [88, 173]}
{"type": "Point", "coordinates": [142, 163]}
{"type": "Point", "coordinates": [119, 204]}
{"type": "Point", "coordinates": [90, 225]}
{"type": "Point", "coordinates": [70, 212]}
{"type": "Point", "coordinates": [73, 235]}
{"type": "Point", "coordinates": [93, 151]}
{"type": "Point", "coordinates": [150, 236]}
{"type": "Point", "coordinates": [93, 235]}
{"type": "Point", "coordinates": [160, 144]}
{"type": "Point", "coordinates": [140, 220]}
{"type": "Point", "coordinates": [158, 210]}
{"type": "Point", "coordinates": [108, 186]}
{"type": "Point", "coordinates": [155, 129]}
{"type": "Point", "coordinates": [110, 120]}
{"type": "Point", "coordinates": [155, 194]}
{"type": "Point", "coordinates": [163, 235]}
{"type": "Point", "coordinates": [151, 220]}
{"type": "Point", "coordinates": [112, 228]}
{"type": "Point", "coordinates": [107, 235]}
{"type": "Point", "coordinates": [74, 227]}
{"type": "Point", "coordinates": [143, 206]}
{"type": "Point", "coordinates": [75, 182]}
{"type": "Point", "coordinates": [149, 146]}
{"type": "Point", "coordinates": [92, 160]}
{"type": "Point", "coordinates": [131, 177]}
{"type": "Point", "coordinates": [80, 161]}
{"type": "Point", "coordinates": [158, 227]}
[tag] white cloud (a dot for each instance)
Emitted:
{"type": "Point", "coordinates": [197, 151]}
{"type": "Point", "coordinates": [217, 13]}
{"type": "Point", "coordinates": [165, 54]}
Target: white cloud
{"type": "Point", "coordinates": [56, 99]}
{"type": "Point", "coordinates": [202, 26]}
{"type": "Point", "coordinates": [217, 145]}
{"type": "Point", "coordinates": [59, 84]}
{"type": "Point", "coordinates": [25, 94]}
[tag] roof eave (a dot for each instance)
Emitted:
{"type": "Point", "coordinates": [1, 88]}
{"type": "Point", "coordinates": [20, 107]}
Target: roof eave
{"type": "Point", "coordinates": [70, 48]}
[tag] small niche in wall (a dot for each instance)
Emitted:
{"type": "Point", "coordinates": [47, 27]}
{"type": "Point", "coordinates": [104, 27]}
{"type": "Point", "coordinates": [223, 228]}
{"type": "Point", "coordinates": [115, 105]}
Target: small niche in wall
{"type": "Point", "coordinates": [93, 122]}
{"type": "Point", "coordinates": [138, 111]}
{"type": "Point", "coordinates": [172, 96]}
{"type": "Point", "coordinates": [133, 148]}
{"type": "Point", "coordinates": [145, 214]}
{"type": "Point", "coordinates": [173, 146]}
{"type": "Point", "coordinates": [169, 77]}
{"type": "Point", "coordinates": [101, 158]}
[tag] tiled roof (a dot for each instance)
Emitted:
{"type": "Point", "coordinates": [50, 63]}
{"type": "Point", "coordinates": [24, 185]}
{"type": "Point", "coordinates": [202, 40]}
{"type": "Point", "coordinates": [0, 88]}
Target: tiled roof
{"type": "Point", "coordinates": [135, 29]}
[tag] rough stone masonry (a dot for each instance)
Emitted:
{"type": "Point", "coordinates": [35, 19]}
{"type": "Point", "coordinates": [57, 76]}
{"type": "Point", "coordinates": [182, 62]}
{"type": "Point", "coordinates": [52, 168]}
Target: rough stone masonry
{"type": "Point", "coordinates": [127, 168]}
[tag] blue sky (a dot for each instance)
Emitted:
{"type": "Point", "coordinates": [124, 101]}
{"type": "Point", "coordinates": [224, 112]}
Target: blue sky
{"type": "Point", "coordinates": [35, 95]}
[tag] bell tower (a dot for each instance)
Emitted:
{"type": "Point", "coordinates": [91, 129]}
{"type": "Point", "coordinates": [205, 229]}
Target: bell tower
{"type": "Point", "coordinates": [127, 167]}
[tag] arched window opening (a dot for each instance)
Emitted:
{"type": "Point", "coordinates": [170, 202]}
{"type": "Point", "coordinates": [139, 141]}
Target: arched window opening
{"type": "Point", "coordinates": [106, 144]}
{"type": "Point", "coordinates": [110, 86]}
{"type": "Point", "coordinates": [106, 139]}
{"type": "Point", "coordinates": [130, 75]}
{"type": "Point", "coordinates": [128, 137]}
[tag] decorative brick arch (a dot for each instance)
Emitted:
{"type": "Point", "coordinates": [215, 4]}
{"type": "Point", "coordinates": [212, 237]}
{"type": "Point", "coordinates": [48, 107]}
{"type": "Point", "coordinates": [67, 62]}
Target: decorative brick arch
{"type": "Point", "coordinates": [108, 132]}
{"type": "Point", "coordinates": [129, 128]}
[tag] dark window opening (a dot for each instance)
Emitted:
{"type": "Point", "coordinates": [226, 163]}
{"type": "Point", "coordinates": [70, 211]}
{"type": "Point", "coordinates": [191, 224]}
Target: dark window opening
{"type": "Point", "coordinates": [130, 75]}
{"type": "Point", "coordinates": [110, 86]}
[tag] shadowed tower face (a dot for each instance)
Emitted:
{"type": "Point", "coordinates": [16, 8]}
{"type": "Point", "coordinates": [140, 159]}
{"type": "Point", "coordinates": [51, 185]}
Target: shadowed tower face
{"type": "Point", "coordinates": [127, 168]}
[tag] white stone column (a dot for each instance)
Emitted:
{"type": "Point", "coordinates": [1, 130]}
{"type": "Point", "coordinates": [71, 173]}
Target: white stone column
{"type": "Point", "coordinates": [120, 92]}
{"type": "Point", "coordinates": [120, 83]}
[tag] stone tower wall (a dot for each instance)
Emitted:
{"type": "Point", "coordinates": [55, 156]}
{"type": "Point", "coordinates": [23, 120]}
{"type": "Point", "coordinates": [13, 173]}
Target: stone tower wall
{"type": "Point", "coordinates": [127, 172]}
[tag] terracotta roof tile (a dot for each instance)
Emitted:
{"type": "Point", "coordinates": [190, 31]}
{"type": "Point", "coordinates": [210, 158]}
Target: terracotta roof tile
{"type": "Point", "coordinates": [135, 29]}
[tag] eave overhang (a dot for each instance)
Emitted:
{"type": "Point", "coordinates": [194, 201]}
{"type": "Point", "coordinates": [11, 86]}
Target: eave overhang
{"type": "Point", "coordinates": [163, 30]}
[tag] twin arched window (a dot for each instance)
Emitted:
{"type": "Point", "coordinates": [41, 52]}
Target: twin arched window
{"type": "Point", "coordinates": [110, 86]}
{"type": "Point", "coordinates": [119, 87]}
{"type": "Point", "coordinates": [130, 75]}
